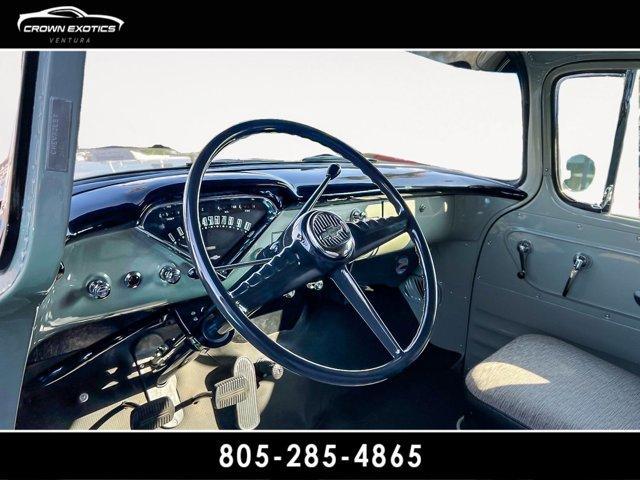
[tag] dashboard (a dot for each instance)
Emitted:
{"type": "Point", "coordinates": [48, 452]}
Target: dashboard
{"type": "Point", "coordinates": [131, 226]}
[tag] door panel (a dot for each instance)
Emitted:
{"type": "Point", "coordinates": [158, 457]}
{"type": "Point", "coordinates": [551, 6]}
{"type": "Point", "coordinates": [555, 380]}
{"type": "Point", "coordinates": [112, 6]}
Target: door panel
{"type": "Point", "coordinates": [599, 314]}
{"type": "Point", "coordinates": [602, 284]}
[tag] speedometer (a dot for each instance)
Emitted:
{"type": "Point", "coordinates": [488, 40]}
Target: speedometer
{"type": "Point", "coordinates": [228, 224]}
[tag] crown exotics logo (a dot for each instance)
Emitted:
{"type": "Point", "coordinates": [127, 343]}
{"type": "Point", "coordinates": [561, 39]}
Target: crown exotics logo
{"type": "Point", "coordinates": [68, 24]}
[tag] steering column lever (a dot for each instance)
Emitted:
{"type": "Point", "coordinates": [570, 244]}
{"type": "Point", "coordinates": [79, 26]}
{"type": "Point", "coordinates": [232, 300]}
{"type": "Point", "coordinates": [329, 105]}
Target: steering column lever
{"type": "Point", "coordinates": [332, 172]}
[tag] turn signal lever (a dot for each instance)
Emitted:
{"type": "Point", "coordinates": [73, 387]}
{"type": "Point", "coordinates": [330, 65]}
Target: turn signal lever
{"type": "Point", "coordinates": [332, 172]}
{"type": "Point", "coordinates": [524, 249]}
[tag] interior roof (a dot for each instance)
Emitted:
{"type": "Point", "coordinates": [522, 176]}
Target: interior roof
{"type": "Point", "coordinates": [471, 59]}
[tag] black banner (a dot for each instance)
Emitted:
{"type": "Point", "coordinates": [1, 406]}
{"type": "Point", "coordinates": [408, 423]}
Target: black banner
{"type": "Point", "coordinates": [82, 24]}
{"type": "Point", "coordinates": [320, 455]}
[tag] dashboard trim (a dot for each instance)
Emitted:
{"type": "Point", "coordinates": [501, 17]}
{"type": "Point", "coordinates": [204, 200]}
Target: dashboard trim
{"type": "Point", "coordinates": [106, 203]}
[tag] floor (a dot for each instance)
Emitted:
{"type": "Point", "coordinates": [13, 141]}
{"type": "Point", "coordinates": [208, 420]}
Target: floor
{"type": "Point", "coordinates": [428, 395]}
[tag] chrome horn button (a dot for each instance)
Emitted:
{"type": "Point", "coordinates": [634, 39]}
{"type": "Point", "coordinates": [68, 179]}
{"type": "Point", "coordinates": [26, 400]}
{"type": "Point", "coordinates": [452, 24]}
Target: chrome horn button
{"type": "Point", "coordinates": [330, 234]}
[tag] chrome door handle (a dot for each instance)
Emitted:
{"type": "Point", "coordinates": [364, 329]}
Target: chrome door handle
{"type": "Point", "coordinates": [580, 262]}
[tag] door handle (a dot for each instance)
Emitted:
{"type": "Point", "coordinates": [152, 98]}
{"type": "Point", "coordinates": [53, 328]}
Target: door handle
{"type": "Point", "coordinates": [524, 249]}
{"type": "Point", "coordinates": [580, 262]}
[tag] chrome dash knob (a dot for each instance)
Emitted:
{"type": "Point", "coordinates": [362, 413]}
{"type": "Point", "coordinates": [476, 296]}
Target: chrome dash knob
{"type": "Point", "coordinates": [98, 289]}
{"type": "Point", "coordinates": [132, 279]}
{"type": "Point", "coordinates": [170, 274]}
{"type": "Point", "coordinates": [357, 215]}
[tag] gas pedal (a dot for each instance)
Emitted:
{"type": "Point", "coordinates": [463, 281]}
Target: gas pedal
{"type": "Point", "coordinates": [230, 391]}
{"type": "Point", "coordinates": [247, 413]}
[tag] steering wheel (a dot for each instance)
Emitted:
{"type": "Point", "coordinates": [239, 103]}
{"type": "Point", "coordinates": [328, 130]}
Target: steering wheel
{"type": "Point", "coordinates": [318, 244]}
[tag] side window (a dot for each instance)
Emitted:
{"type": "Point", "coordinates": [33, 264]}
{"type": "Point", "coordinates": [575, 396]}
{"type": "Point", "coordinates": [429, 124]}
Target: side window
{"type": "Point", "coordinates": [597, 142]}
{"type": "Point", "coordinates": [10, 83]}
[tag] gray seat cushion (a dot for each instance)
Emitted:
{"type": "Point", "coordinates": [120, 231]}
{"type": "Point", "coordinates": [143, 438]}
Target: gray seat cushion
{"type": "Point", "coordinates": [544, 383]}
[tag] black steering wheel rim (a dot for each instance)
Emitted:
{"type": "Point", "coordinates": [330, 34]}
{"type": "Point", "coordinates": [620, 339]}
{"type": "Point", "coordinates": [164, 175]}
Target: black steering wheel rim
{"type": "Point", "coordinates": [234, 314]}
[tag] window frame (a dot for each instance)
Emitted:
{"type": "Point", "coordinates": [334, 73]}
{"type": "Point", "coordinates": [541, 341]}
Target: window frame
{"type": "Point", "coordinates": [520, 69]}
{"type": "Point", "coordinates": [17, 171]}
{"type": "Point", "coordinates": [613, 71]}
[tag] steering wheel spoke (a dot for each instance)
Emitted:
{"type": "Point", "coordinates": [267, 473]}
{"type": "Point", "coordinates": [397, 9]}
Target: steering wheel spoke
{"type": "Point", "coordinates": [372, 233]}
{"type": "Point", "coordinates": [356, 297]}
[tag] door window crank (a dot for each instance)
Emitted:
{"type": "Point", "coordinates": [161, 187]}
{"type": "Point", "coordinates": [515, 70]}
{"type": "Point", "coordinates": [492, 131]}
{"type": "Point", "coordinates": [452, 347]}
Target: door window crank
{"type": "Point", "coordinates": [580, 262]}
{"type": "Point", "coordinates": [524, 249]}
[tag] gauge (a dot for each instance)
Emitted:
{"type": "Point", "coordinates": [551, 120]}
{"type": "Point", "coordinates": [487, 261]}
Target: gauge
{"type": "Point", "coordinates": [165, 223]}
{"type": "Point", "coordinates": [227, 224]}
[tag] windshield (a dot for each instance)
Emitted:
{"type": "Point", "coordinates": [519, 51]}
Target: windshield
{"type": "Point", "coordinates": [153, 110]}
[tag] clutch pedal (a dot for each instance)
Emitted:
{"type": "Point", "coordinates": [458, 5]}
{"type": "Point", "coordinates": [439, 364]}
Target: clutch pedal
{"type": "Point", "coordinates": [154, 414]}
{"type": "Point", "coordinates": [168, 389]}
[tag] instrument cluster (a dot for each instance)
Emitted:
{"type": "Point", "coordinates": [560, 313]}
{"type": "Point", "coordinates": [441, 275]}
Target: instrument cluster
{"type": "Point", "coordinates": [228, 224]}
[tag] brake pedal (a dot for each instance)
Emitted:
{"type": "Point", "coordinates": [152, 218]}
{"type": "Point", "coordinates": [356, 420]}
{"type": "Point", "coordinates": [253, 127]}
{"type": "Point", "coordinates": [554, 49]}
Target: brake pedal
{"type": "Point", "coordinates": [247, 413]}
{"type": "Point", "coordinates": [230, 392]}
{"type": "Point", "coordinates": [154, 414]}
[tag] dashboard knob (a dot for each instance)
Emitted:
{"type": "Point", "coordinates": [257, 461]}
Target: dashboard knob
{"type": "Point", "coordinates": [193, 273]}
{"type": "Point", "coordinates": [98, 289]}
{"type": "Point", "coordinates": [357, 215]}
{"type": "Point", "coordinates": [170, 274]}
{"type": "Point", "coordinates": [132, 279]}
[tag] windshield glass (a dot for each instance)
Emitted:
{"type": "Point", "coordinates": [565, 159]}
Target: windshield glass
{"type": "Point", "coordinates": [10, 80]}
{"type": "Point", "coordinates": [151, 110]}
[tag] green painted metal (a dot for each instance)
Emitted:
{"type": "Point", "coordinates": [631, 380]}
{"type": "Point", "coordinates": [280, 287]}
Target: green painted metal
{"type": "Point", "coordinates": [45, 215]}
